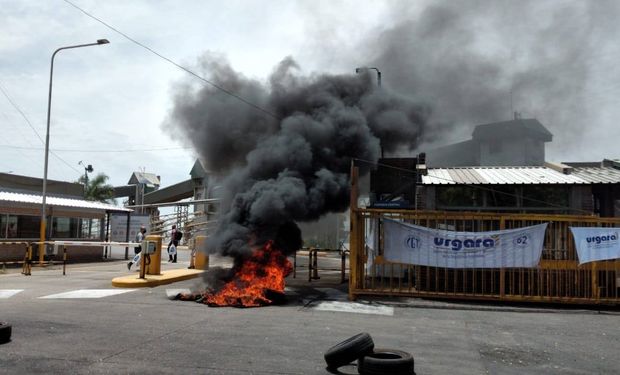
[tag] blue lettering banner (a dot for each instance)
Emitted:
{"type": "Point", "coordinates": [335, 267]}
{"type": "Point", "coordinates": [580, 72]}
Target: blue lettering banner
{"type": "Point", "coordinates": [412, 244]}
{"type": "Point", "coordinates": [594, 244]}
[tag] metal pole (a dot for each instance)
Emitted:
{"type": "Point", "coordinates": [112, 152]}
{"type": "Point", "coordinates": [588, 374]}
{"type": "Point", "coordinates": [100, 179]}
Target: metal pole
{"type": "Point", "coordinates": [85, 182]}
{"type": "Point", "coordinates": [47, 145]}
{"type": "Point", "coordinates": [107, 235]}
{"type": "Point", "coordinates": [127, 237]}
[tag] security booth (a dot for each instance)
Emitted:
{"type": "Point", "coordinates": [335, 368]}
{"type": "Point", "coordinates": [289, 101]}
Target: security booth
{"type": "Point", "coordinates": [67, 218]}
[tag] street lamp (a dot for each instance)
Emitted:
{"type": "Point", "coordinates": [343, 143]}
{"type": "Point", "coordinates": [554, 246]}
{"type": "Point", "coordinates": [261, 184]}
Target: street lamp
{"type": "Point", "coordinates": [358, 70]}
{"type": "Point", "coordinates": [87, 169]}
{"type": "Point", "coordinates": [47, 141]}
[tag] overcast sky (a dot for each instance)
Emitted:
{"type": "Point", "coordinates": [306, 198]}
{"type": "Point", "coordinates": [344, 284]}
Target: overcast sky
{"type": "Point", "coordinates": [109, 101]}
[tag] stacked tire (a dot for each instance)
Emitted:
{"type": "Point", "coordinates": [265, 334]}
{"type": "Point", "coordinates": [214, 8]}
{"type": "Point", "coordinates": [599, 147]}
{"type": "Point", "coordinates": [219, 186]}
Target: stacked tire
{"type": "Point", "coordinates": [349, 350]}
{"type": "Point", "coordinates": [5, 332]}
{"type": "Point", "coordinates": [370, 361]}
{"type": "Point", "coordinates": [386, 361]}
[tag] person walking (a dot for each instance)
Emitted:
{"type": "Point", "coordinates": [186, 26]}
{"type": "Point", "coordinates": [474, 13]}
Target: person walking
{"type": "Point", "coordinates": [175, 237]}
{"type": "Point", "coordinates": [138, 249]}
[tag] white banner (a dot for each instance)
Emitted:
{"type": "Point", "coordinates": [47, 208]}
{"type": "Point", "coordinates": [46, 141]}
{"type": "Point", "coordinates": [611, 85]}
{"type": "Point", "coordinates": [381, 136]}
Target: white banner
{"type": "Point", "coordinates": [594, 244]}
{"type": "Point", "coordinates": [412, 244]}
{"type": "Point", "coordinates": [118, 226]}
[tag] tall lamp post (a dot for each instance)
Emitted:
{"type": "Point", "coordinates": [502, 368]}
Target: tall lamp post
{"type": "Point", "coordinates": [47, 144]}
{"type": "Point", "coordinates": [358, 70]}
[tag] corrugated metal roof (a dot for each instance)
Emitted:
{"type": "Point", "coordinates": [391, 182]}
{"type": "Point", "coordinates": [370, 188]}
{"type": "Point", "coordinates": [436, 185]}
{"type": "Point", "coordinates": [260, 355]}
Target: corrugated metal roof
{"type": "Point", "coordinates": [510, 176]}
{"type": "Point", "coordinates": [144, 178]}
{"type": "Point", "coordinates": [602, 175]}
{"type": "Point", "coordinates": [58, 202]}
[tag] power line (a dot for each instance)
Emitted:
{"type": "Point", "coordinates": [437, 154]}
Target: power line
{"type": "Point", "coordinates": [475, 187]}
{"type": "Point", "coordinates": [187, 70]}
{"type": "Point", "coordinates": [21, 113]}
{"type": "Point", "coordinates": [18, 109]}
{"type": "Point", "coordinates": [26, 156]}
{"type": "Point", "coordinates": [99, 151]}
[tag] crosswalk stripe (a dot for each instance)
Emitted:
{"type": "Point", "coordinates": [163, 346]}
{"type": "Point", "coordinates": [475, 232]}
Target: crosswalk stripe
{"type": "Point", "coordinates": [8, 293]}
{"type": "Point", "coordinates": [353, 307]}
{"type": "Point", "coordinates": [88, 293]}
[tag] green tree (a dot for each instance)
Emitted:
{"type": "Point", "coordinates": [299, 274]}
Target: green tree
{"type": "Point", "coordinates": [97, 189]}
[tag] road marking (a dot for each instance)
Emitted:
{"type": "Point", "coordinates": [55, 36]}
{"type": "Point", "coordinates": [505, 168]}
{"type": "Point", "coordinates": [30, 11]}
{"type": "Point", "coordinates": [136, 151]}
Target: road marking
{"type": "Point", "coordinates": [88, 293]}
{"type": "Point", "coordinates": [354, 307]}
{"type": "Point", "coordinates": [333, 294]}
{"type": "Point", "coordinates": [8, 293]}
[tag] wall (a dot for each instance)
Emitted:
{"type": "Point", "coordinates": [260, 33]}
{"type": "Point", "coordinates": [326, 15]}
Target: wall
{"type": "Point", "coordinates": [503, 152]}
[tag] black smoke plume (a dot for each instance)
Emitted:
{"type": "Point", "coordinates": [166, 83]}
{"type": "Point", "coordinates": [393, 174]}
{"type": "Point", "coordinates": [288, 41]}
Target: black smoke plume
{"type": "Point", "coordinates": [291, 162]}
{"type": "Point", "coordinates": [478, 61]}
{"type": "Point", "coordinates": [467, 62]}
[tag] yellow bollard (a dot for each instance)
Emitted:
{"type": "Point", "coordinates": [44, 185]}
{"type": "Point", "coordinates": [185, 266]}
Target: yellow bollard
{"type": "Point", "coordinates": [202, 259]}
{"type": "Point", "coordinates": [154, 267]}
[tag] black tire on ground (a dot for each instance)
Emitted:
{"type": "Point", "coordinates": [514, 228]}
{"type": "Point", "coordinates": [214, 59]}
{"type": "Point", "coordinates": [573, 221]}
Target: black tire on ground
{"type": "Point", "coordinates": [5, 332]}
{"type": "Point", "coordinates": [349, 350]}
{"type": "Point", "coordinates": [386, 362]}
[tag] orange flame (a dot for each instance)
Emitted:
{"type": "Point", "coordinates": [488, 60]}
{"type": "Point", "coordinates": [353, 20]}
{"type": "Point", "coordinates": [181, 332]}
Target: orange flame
{"type": "Point", "coordinates": [264, 271]}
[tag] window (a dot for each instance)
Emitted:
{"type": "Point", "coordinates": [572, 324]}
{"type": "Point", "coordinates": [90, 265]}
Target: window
{"type": "Point", "coordinates": [90, 228]}
{"type": "Point", "coordinates": [19, 226]}
{"type": "Point", "coordinates": [27, 226]}
{"type": "Point", "coordinates": [11, 226]}
{"type": "Point", "coordinates": [3, 225]}
{"type": "Point", "coordinates": [65, 227]}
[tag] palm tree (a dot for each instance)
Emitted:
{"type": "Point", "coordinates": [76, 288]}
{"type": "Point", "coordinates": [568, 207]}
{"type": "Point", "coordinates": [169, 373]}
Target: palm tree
{"type": "Point", "coordinates": [97, 189]}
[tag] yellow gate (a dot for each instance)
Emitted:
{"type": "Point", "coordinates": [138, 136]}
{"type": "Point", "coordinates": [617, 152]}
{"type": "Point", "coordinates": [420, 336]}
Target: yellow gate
{"type": "Point", "coordinates": [558, 277]}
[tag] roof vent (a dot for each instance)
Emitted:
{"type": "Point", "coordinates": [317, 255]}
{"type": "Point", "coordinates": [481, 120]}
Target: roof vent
{"type": "Point", "coordinates": [559, 167]}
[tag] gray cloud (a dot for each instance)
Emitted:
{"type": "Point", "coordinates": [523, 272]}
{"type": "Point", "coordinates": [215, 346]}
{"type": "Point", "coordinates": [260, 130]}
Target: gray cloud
{"type": "Point", "coordinates": [464, 58]}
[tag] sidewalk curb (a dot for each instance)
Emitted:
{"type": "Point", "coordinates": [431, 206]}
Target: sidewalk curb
{"type": "Point", "coordinates": [149, 281]}
{"type": "Point", "coordinates": [511, 309]}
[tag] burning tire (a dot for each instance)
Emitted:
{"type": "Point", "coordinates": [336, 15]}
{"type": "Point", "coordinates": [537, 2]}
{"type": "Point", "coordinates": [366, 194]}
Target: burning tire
{"type": "Point", "coordinates": [5, 332]}
{"type": "Point", "coordinates": [386, 362]}
{"type": "Point", "coordinates": [349, 350]}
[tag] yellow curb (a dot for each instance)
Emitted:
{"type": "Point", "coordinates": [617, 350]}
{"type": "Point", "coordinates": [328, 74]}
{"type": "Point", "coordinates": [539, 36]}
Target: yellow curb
{"type": "Point", "coordinates": [166, 277]}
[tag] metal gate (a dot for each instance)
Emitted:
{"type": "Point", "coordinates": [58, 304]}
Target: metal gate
{"type": "Point", "coordinates": [558, 277]}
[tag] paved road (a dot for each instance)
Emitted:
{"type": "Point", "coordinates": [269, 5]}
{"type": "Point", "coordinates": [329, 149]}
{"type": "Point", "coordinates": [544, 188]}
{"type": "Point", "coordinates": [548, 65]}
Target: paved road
{"type": "Point", "coordinates": [79, 324]}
